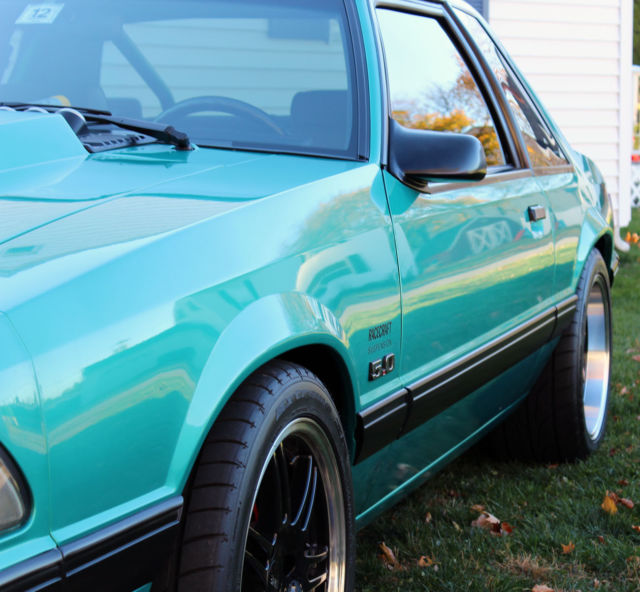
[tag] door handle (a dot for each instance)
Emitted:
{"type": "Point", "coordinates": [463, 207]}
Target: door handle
{"type": "Point", "coordinates": [536, 213]}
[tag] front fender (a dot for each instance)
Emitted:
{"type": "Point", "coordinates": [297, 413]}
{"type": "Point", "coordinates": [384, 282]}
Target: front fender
{"type": "Point", "coordinates": [263, 330]}
{"type": "Point", "coordinates": [21, 434]}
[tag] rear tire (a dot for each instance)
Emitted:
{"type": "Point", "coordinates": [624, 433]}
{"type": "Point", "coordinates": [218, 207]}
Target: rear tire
{"type": "Point", "coordinates": [564, 416]}
{"type": "Point", "coordinates": [271, 506]}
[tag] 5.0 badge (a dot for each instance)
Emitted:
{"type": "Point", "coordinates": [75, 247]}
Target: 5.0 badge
{"type": "Point", "coordinates": [382, 367]}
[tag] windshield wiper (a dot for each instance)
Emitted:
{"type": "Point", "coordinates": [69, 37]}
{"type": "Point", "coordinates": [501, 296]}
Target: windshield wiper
{"type": "Point", "coordinates": [165, 133]}
{"type": "Point", "coordinates": [160, 131]}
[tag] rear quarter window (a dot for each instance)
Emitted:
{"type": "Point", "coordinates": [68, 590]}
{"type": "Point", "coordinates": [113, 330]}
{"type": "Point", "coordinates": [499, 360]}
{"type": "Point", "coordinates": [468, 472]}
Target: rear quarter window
{"type": "Point", "coordinates": [542, 147]}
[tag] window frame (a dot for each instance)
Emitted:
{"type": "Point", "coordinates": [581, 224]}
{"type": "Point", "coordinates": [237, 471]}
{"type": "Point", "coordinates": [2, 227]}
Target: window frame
{"type": "Point", "coordinates": [503, 126]}
{"type": "Point", "coordinates": [359, 149]}
{"type": "Point", "coordinates": [497, 90]}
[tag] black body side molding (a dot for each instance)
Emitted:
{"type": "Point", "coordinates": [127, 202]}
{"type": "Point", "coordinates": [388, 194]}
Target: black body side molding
{"type": "Point", "coordinates": [409, 408]}
{"type": "Point", "coordinates": [118, 558]}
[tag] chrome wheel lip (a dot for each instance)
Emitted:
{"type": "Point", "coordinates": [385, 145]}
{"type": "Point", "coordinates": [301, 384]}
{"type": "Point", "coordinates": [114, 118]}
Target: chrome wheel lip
{"type": "Point", "coordinates": [308, 430]}
{"type": "Point", "coordinates": [597, 359]}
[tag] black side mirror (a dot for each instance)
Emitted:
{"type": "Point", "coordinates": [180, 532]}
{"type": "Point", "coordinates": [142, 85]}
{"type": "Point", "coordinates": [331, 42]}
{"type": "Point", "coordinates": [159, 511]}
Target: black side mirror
{"type": "Point", "coordinates": [419, 156]}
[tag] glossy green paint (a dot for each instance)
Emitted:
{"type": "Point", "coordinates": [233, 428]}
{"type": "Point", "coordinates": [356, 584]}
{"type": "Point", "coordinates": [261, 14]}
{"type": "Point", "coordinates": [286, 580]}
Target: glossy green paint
{"type": "Point", "coordinates": [147, 283]}
{"type": "Point", "coordinates": [577, 194]}
{"type": "Point", "coordinates": [454, 312]}
{"type": "Point", "coordinates": [460, 251]}
{"type": "Point", "coordinates": [411, 460]}
{"type": "Point", "coordinates": [22, 433]}
{"type": "Point", "coordinates": [148, 341]}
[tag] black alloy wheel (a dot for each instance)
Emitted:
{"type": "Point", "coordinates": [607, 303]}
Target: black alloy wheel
{"type": "Point", "coordinates": [270, 507]}
{"type": "Point", "coordinates": [291, 530]}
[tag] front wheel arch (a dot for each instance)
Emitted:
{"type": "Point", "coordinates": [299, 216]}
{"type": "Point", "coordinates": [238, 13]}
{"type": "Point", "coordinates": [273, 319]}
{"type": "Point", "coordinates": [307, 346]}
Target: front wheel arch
{"type": "Point", "coordinates": [278, 395]}
{"type": "Point", "coordinates": [327, 364]}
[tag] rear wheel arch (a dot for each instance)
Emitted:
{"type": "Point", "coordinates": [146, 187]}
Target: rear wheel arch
{"type": "Point", "coordinates": [605, 246]}
{"type": "Point", "coordinates": [564, 416]}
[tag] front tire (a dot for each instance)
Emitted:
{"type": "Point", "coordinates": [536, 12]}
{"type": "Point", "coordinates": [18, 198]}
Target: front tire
{"type": "Point", "coordinates": [564, 416]}
{"type": "Point", "coordinates": [271, 507]}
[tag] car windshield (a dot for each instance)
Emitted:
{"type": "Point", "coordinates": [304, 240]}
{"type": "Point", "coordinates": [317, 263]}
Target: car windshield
{"type": "Point", "coordinates": [258, 74]}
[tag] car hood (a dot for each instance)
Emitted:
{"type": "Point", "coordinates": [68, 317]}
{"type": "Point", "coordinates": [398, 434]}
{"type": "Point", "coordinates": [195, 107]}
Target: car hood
{"type": "Point", "coordinates": [46, 175]}
{"type": "Point", "coordinates": [63, 210]}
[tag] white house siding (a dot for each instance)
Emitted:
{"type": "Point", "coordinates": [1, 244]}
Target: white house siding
{"type": "Point", "coordinates": [577, 56]}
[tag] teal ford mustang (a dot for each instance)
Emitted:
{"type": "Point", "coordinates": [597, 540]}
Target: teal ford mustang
{"type": "Point", "coordinates": [265, 266]}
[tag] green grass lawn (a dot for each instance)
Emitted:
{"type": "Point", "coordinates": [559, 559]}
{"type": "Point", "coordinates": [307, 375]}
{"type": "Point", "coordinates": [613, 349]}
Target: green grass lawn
{"type": "Point", "coordinates": [547, 506]}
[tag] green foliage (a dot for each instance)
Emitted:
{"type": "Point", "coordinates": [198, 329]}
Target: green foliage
{"type": "Point", "coordinates": [547, 506]}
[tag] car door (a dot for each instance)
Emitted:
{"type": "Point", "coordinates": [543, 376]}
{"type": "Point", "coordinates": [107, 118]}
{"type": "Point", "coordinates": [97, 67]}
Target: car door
{"type": "Point", "coordinates": [476, 259]}
{"type": "Point", "coordinates": [553, 171]}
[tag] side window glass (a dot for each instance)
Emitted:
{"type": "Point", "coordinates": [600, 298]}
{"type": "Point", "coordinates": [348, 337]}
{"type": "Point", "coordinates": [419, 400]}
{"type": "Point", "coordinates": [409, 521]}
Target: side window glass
{"type": "Point", "coordinates": [542, 147]}
{"type": "Point", "coordinates": [430, 85]}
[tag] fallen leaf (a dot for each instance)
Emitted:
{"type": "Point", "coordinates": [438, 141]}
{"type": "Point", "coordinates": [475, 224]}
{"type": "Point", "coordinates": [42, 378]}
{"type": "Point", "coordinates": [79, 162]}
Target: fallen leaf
{"type": "Point", "coordinates": [488, 522]}
{"type": "Point", "coordinates": [456, 526]}
{"type": "Point", "coordinates": [616, 499]}
{"type": "Point", "coordinates": [609, 506]}
{"type": "Point", "coordinates": [428, 518]}
{"type": "Point", "coordinates": [596, 583]}
{"type": "Point", "coordinates": [478, 508]}
{"type": "Point", "coordinates": [627, 503]}
{"type": "Point", "coordinates": [388, 557]}
{"type": "Point", "coordinates": [553, 466]}
{"type": "Point", "coordinates": [601, 539]}
{"type": "Point", "coordinates": [636, 528]}
{"type": "Point", "coordinates": [426, 561]}
{"type": "Point", "coordinates": [506, 529]}
{"type": "Point", "coordinates": [623, 482]}
{"type": "Point", "coordinates": [567, 549]}
{"type": "Point", "coordinates": [541, 588]}
{"type": "Point", "coordinates": [624, 390]}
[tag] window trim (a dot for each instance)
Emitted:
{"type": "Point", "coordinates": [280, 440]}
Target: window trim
{"type": "Point", "coordinates": [500, 175]}
{"type": "Point", "coordinates": [515, 129]}
{"type": "Point", "coordinates": [361, 94]}
{"type": "Point", "coordinates": [443, 14]}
